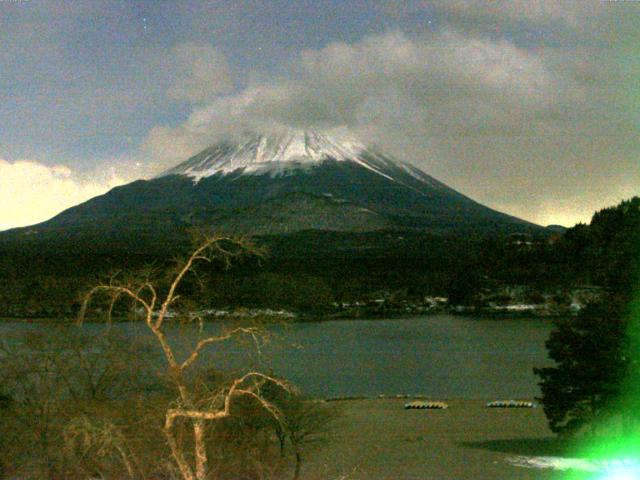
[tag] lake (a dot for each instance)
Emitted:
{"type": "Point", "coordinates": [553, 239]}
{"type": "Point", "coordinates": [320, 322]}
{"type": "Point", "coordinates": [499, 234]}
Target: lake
{"type": "Point", "coordinates": [443, 356]}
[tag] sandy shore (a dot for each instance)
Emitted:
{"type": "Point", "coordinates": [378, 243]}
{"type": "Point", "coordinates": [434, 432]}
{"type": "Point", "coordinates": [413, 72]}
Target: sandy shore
{"type": "Point", "coordinates": [378, 439]}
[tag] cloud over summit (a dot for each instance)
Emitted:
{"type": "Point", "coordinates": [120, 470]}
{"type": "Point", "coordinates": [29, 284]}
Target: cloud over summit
{"type": "Point", "coordinates": [441, 81]}
{"type": "Point", "coordinates": [529, 106]}
{"type": "Point", "coordinates": [461, 106]}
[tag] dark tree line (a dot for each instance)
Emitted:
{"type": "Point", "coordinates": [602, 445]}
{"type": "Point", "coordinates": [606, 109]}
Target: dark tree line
{"type": "Point", "coordinates": [596, 353]}
{"type": "Point", "coordinates": [306, 271]}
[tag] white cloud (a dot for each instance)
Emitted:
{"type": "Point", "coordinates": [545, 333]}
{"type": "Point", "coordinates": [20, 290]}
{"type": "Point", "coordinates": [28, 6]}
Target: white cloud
{"type": "Point", "coordinates": [201, 73]}
{"type": "Point", "coordinates": [165, 147]}
{"type": "Point", "coordinates": [513, 102]}
{"type": "Point", "coordinates": [445, 81]}
{"type": "Point", "coordinates": [31, 192]}
{"type": "Point", "coordinates": [512, 127]}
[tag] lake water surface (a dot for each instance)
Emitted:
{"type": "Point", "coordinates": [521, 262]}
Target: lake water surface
{"type": "Point", "coordinates": [442, 356]}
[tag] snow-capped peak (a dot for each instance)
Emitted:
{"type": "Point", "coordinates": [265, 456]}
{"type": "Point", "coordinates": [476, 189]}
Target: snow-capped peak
{"type": "Point", "coordinates": [273, 154]}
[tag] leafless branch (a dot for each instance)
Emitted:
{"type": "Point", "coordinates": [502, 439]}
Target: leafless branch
{"type": "Point", "coordinates": [114, 290]}
{"type": "Point", "coordinates": [142, 292]}
{"type": "Point", "coordinates": [207, 341]}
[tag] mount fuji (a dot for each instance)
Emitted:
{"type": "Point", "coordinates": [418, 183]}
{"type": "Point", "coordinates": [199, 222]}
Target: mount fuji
{"type": "Point", "coordinates": [280, 183]}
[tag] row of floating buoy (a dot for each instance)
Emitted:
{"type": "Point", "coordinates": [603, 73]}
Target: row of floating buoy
{"type": "Point", "coordinates": [422, 405]}
{"type": "Point", "coordinates": [425, 406]}
{"type": "Point", "coordinates": [511, 404]}
{"type": "Point", "coordinates": [437, 405]}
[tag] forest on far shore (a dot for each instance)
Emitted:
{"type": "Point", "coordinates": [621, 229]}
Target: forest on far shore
{"type": "Point", "coordinates": [312, 271]}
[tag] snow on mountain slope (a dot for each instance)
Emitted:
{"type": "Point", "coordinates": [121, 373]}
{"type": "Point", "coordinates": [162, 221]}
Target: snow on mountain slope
{"type": "Point", "coordinates": [287, 182]}
{"type": "Point", "coordinates": [279, 154]}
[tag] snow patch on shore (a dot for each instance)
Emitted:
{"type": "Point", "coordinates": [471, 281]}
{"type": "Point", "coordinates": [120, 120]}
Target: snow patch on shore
{"type": "Point", "coordinates": [628, 466]}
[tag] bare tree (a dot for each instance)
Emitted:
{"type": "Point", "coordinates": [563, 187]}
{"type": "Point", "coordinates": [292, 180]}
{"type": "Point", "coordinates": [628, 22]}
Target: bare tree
{"type": "Point", "coordinates": [50, 376]}
{"type": "Point", "coordinates": [191, 407]}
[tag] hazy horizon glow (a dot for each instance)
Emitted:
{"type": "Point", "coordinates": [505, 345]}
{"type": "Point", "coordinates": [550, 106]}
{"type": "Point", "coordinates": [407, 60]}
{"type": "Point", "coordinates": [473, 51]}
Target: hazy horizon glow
{"type": "Point", "coordinates": [530, 107]}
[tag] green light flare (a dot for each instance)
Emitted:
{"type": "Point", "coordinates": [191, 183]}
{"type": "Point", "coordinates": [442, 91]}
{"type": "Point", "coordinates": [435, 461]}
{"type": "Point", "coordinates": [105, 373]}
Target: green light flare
{"type": "Point", "coordinates": [618, 454]}
{"type": "Point", "coordinates": [621, 472]}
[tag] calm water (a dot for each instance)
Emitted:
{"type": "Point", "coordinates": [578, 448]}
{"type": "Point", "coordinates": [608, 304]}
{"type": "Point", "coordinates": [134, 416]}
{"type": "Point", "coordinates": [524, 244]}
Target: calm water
{"type": "Point", "coordinates": [441, 356]}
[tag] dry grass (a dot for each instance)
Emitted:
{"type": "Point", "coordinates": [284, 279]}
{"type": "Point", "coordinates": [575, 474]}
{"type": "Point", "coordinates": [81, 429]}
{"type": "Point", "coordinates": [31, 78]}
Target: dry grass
{"type": "Point", "coordinates": [378, 439]}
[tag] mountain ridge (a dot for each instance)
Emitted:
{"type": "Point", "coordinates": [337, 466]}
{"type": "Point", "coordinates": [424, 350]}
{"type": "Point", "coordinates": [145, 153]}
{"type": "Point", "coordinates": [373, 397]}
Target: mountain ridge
{"type": "Point", "coordinates": [219, 187]}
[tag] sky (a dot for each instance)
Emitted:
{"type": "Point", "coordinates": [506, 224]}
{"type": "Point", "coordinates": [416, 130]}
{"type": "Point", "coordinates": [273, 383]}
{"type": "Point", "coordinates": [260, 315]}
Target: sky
{"type": "Point", "coordinates": [531, 107]}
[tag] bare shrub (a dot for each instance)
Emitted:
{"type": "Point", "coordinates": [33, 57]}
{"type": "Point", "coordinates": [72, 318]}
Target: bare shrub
{"type": "Point", "coordinates": [53, 376]}
{"type": "Point", "coordinates": [94, 403]}
{"type": "Point", "coordinates": [192, 409]}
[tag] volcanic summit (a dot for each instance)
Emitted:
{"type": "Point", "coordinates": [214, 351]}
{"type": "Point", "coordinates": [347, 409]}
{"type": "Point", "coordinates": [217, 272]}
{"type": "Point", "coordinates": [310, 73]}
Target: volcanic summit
{"type": "Point", "coordinates": [285, 182]}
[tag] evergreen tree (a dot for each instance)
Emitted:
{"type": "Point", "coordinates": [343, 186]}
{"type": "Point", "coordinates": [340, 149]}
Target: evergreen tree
{"type": "Point", "coordinates": [596, 352]}
{"type": "Point", "coordinates": [591, 362]}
